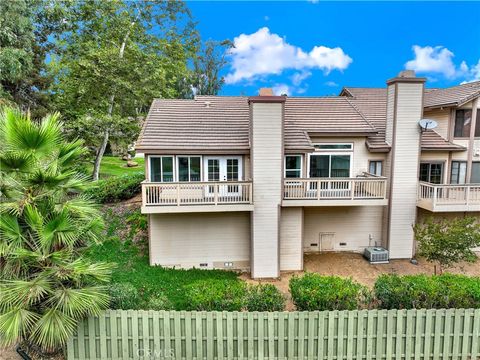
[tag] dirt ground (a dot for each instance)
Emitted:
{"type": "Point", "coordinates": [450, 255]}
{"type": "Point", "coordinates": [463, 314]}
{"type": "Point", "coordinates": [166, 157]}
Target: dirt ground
{"type": "Point", "coordinates": [8, 354]}
{"type": "Point", "coordinates": [355, 266]}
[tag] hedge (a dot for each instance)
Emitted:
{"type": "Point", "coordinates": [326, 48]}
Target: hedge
{"type": "Point", "coordinates": [429, 292]}
{"type": "Point", "coordinates": [316, 292]}
{"type": "Point", "coordinates": [264, 297]}
{"type": "Point", "coordinates": [116, 188]}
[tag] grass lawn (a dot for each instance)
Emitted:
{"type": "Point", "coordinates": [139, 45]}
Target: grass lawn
{"type": "Point", "coordinates": [123, 247]}
{"type": "Point", "coordinates": [114, 166]}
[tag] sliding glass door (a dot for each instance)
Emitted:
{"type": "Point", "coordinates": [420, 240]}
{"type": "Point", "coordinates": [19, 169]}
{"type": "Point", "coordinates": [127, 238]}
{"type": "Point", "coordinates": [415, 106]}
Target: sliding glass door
{"type": "Point", "coordinates": [330, 166]}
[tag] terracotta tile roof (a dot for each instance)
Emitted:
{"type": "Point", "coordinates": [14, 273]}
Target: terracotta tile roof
{"type": "Point", "coordinates": [431, 140]}
{"type": "Point", "coordinates": [452, 96]}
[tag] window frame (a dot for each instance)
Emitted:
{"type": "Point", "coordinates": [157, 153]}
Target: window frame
{"type": "Point", "coordinates": [455, 124]}
{"type": "Point", "coordinates": [375, 161]}
{"type": "Point", "coordinates": [471, 172]}
{"type": "Point", "coordinates": [430, 163]}
{"type": "Point", "coordinates": [348, 153]}
{"type": "Point", "coordinates": [150, 157]}
{"type": "Point", "coordinates": [451, 170]}
{"type": "Point", "coordinates": [189, 177]}
{"type": "Point", "coordinates": [285, 166]}
{"type": "Point", "coordinates": [316, 145]}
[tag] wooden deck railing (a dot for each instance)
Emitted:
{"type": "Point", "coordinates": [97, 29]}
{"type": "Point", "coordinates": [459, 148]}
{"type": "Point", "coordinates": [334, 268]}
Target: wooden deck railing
{"type": "Point", "coordinates": [444, 195]}
{"type": "Point", "coordinates": [361, 188]}
{"type": "Point", "coordinates": [196, 193]}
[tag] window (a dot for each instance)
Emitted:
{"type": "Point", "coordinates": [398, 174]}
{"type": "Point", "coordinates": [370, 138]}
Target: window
{"type": "Point", "coordinates": [375, 167]}
{"type": "Point", "coordinates": [189, 168]}
{"type": "Point", "coordinates": [232, 170]}
{"type": "Point", "coordinates": [330, 165]}
{"type": "Point", "coordinates": [333, 146]}
{"type": "Point", "coordinates": [475, 177]}
{"type": "Point", "coordinates": [161, 168]}
{"type": "Point", "coordinates": [459, 172]}
{"type": "Point", "coordinates": [431, 172]}
{"type": "Point", "coordinates": [463, 120]}
{"type": "Point", "coordinates": [293, 166]}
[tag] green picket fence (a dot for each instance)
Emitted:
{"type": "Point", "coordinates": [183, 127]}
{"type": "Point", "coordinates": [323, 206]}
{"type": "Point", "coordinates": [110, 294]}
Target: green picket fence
{"type": "Point", "coordinates": [365, 334]}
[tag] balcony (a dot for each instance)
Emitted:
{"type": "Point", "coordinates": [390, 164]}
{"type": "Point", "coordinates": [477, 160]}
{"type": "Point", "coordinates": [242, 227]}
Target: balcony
{"type": "Point", "coordinates": [182, 197]}
{"type": "Point", "coordinates": [360, 191]}
{"type": "Point", "coordinates": [449, 198]}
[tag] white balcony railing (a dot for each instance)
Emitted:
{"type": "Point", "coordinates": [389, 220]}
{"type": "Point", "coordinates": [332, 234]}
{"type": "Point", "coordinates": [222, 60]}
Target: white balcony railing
{"type": "Point", "coordinates": [196, 193]}
{"type": "Point", "coordinates": [361, 188]}
{"type": "Point", "coordinates": [449, 197]}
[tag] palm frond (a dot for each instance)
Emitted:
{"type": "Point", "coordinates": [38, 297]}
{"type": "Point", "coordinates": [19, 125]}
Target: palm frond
{"type": "Point", "coordinates": [78, 303]}
{"type": "Point", "coordinates": [16, 293]}
{"type": "Point", "coordinates": [16, 324]}
{"type": "Point", "coordinates": [10, 232]}
{"type": "Point", "coordinates": [15, 161]}
{"type": "Point", "coordinates": [53, 329]}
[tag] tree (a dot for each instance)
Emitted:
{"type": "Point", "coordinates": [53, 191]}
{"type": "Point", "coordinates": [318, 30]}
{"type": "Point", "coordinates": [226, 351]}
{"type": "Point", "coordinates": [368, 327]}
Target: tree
{"type": "Point", "coordinates": [447, 242]}
{"type": "Point", "coordinates": [207, 66]}
{"type": "Point", "coordinates": [117, 58]}
{"type": "Point", "coordinates": [28, 32]}
{"type": "Point", "coordinates": [45, 225]}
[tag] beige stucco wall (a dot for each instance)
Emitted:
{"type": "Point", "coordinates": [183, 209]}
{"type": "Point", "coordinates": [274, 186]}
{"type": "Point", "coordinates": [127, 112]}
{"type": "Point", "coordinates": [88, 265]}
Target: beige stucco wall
{"type": "Point", "coordinates": [188, 240]}
{"type": "Point", "coordinates": [442, 117]}
{"type": "Point", "coordinates": [353, 225]}
{"type": "Point", "coordinates": [291, 236]}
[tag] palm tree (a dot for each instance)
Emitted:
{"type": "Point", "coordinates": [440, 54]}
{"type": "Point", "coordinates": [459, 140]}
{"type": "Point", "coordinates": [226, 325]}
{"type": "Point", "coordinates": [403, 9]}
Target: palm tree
{"type": "Point", "coordinates": [46, 223]}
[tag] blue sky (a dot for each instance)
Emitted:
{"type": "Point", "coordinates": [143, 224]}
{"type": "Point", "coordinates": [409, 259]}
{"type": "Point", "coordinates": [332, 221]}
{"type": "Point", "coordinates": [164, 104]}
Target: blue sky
{"type": "Point", "coordinates": [313, 48]}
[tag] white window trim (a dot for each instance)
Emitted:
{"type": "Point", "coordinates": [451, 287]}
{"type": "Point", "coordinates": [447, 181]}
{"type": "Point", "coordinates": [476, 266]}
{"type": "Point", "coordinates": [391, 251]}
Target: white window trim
{"type": "Point", "coordinates": [376, 161]}
{"type": "Point", "coordinates": [178, 165]}
{"type": "Point", "coordinates": [225, 158]}
{"type": "Point", "coordinates": [349, 153]}
{"type": "Point", "coordinates": [161, 156]}
{"type": "Point", "coordinates": [333, 150]}
{"type": "Point", "coordinates": [285, 165]}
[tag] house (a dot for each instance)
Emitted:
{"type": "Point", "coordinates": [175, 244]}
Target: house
{"type": "Point", "coordinates": [253, 183]}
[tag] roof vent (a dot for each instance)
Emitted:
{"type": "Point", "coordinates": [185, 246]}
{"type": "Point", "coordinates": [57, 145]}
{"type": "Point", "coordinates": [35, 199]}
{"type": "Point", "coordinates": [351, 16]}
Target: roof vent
{"type": "Point", "coordinates": [207, 104]}
{"type": "Point", "coordinates": [406, 74]}
{"type": "Point", "coordinates": [266, 92]}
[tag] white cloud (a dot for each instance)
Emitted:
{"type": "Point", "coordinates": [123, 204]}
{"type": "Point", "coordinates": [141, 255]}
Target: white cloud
{"type": "Point", "coordinates": [281, 89]}
{"type": "Point", "coordinates": [432, 60]}
{"type": "Point", "coordinates": [313, 1]}
{"type": "Point", "coordinates": [331, 83]}
{"type": "Point", "coordinates": [298, 77]}
{"type": "Point", "coordinates": [263, 53]}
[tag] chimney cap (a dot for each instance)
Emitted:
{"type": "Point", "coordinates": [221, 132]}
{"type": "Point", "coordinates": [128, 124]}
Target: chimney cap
{"type": "Point", "coordinates": [406, 76]}
{"type": "Point", "coordinates": [265, 92]}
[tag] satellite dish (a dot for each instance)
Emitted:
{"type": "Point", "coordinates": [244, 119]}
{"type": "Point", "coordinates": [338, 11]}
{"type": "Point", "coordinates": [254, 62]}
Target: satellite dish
{"type": "Point", "coordinates": [427, 124]}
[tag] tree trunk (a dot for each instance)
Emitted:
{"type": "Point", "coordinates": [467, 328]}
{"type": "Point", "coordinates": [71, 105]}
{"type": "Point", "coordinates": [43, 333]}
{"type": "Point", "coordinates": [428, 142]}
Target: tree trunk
{"type": "Point", "coordinates": [106, 134]}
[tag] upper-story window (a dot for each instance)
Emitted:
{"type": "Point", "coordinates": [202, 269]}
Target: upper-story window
{"type": "Point", "coordinates": [475, 177]}
{"type": "Point", "coordinates": [293, 166]}
{"type": "Point", "coordinates": [458, 174]}
{"type": "Point", "coordinates": [189, 168]}
{"type": "Point", "coordinates": [161, 168]}
{"type": "Point", "coordinates": [375, 167]}
{"type": "Point", "coordinates": [431, 172]}
{"type": "Point", "coordinates": [331, 160]}
{"type": "Point", "coordinates": [463, 123]}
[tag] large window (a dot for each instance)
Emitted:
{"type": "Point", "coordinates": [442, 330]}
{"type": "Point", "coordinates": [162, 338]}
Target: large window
{"type": "Point", "coordinates": [189, 168]}
{"type": "Point", "coordinates": [475, 177]}
{"type": "Point", "coordinates": [463, 123]}
{"type": "Point", "coordinates": [161, 168]}
{"type": "Point", "coordinates": [293, 166]}
{"type": "Point", "coordinates": [459, 172]}
{"type": "Point", "coordinates": [431, 172]}
{"type": "Point", "coordinates": [330, 165]}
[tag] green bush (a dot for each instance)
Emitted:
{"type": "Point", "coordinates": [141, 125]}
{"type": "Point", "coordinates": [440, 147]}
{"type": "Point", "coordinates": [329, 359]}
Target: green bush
{"type": "Point", "coordinates": [315, 292]}
{"type": "Point", "coordinates": [160, 302]}
{"type": "Point", "coordinates": [116, 188]}
{"type": "Point", "coordinates": [430, 292]}
{"type": "Point", "coordinates": [215, 295]}
{"type": "Point", "coordinates": [264, 297]}
{"type": "Point", "coordinates": [123, 296]}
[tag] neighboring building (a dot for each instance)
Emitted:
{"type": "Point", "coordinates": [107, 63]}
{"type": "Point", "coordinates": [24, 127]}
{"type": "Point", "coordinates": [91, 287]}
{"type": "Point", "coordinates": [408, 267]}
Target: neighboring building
{"type": "Point", "coordinates": [254, 182]}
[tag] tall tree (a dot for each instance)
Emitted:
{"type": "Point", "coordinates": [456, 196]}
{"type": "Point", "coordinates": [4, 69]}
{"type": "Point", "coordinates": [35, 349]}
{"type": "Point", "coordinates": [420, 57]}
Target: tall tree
{"type": "Point", "coordinates": [119, 56]}
{"type": "Point", "coordinates": [28, 33]}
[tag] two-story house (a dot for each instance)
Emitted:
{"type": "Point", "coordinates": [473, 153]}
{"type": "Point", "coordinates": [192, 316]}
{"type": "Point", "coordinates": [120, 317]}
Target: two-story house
{"type": "Point", "coordinates": [253, 183]}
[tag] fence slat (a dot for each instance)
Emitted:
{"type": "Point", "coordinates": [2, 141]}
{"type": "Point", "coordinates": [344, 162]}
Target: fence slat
{"type": "Point", "coordinates": [337, 335]}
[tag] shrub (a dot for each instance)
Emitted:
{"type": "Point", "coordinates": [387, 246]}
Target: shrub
{"type": "Point", "coordinates": [215, 295]}
{"type": "Point", "coordinates": [315, 292]}
{"type": "Point", "coordinates": [123, 296]}
{"type": "Point", "coordinates": [422, 291]}
{"type": "Point", "coordinates": [264, 297]}
{"type": "Point", "coordinates": [117, 188]}
{"type": "Point", "coordinates": [159, 302]}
